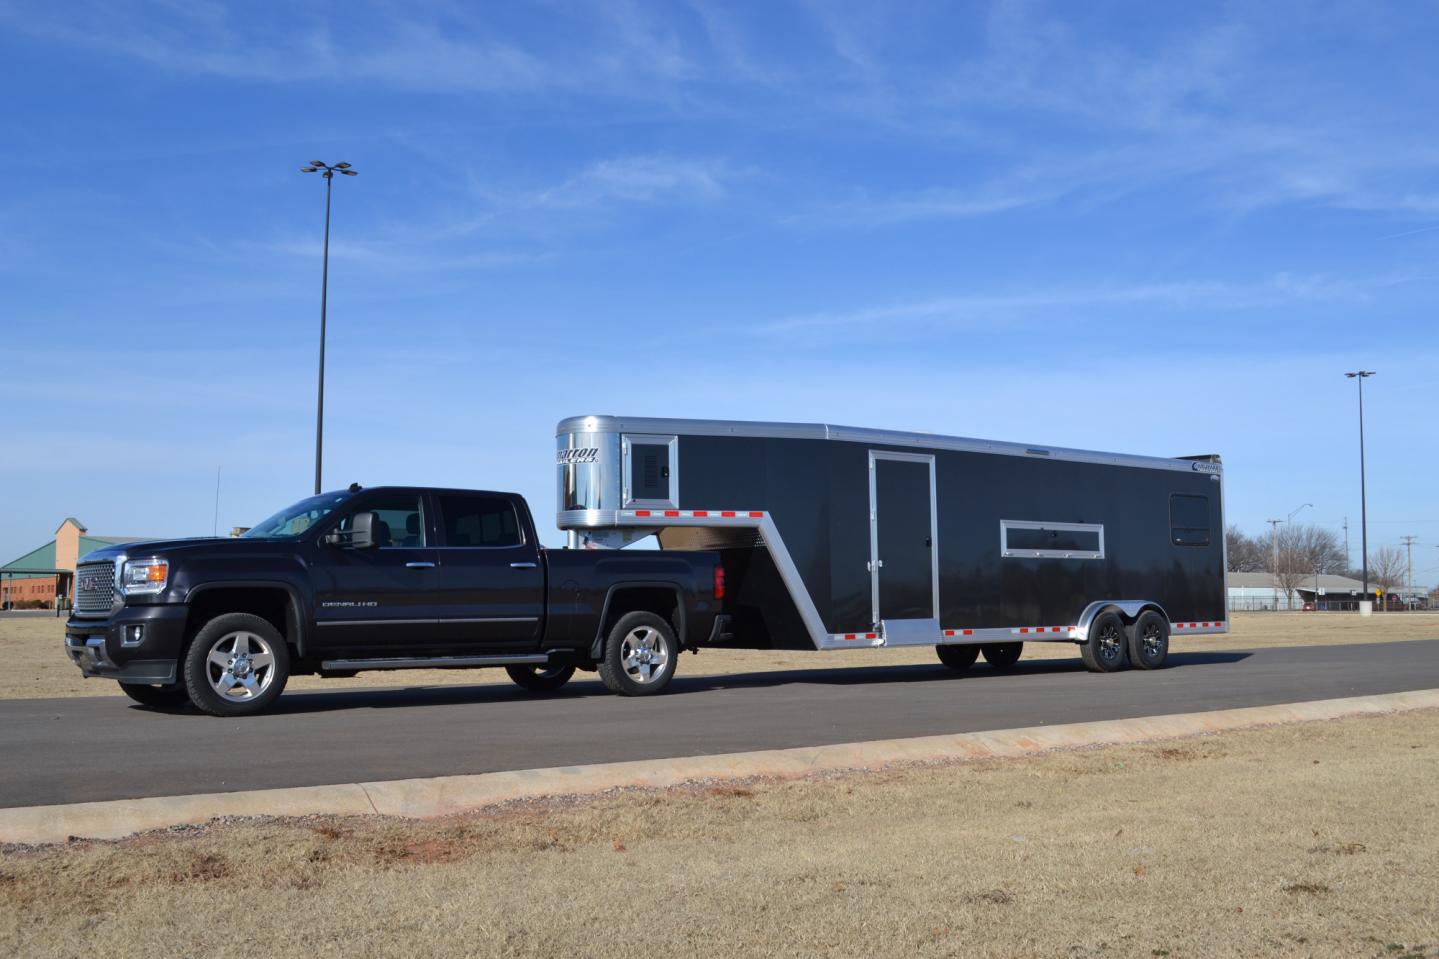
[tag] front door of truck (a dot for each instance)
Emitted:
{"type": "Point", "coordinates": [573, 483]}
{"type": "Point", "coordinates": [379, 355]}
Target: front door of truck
{"type": "Point", "coordinates": [904, 554]}
{"type": "Point", "coordinates": [490, 584]}
{"type": "Point", "coordinates": [382, 598]}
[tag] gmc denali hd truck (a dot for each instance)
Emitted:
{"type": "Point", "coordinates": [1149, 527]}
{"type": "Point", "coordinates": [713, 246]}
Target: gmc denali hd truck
{"type": "Point", "coordinates": [384, 578]}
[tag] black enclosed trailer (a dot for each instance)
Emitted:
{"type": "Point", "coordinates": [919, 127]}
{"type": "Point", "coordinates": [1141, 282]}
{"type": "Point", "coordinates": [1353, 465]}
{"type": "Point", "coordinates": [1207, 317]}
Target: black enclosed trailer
{"type": "Point", "coordinates": [834, 537]}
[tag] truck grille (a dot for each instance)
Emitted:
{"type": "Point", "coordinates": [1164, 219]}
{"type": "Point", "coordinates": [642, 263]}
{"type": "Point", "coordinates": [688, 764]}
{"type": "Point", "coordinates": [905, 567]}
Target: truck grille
{"type": "Point", "coordinates": [94, 587]}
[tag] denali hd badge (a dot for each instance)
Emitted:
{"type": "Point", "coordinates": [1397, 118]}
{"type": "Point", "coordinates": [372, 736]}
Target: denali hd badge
{"type": "Point", "coordinates": [584, 454]}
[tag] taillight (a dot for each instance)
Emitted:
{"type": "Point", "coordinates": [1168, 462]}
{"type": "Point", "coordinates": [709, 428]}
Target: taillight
{"type": "Point", "coordinates": [719, 582]}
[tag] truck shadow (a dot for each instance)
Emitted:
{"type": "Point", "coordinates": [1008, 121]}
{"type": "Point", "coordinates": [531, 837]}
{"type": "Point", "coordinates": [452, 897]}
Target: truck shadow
{"type": "Point", "coordinates": [585, 686]}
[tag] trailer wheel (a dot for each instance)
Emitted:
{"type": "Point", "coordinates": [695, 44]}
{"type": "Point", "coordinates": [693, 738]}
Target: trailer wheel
{"type": "Point", "coordinates": [1002, 655]}
{"type": "Point", "coordinates": [1149, 641]}
{"type": "Point", "coordinates": [1104, 651]}
{"type": "Point", "coordinates": [640, 655]}
{"type": "Point", "coordinates": [958, 657]}
{"type": "Point", "coordinates": [540, 679]}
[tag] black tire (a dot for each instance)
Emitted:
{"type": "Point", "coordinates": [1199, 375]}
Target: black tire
{"type": "Point", "coordinates": [157, 697]}
{"type": "Point", "coordinates": [1149, 641]}
{"type": "Point", "coordinates": [540, 679]}
{"type": "Point", "coordinates": [958, 656]}
{"type": "Point", "coordinates": [635, 643]}
{"type": "Point", "coordinates": [205, 677]}
{"type": "Point", "coordinates": [1002, 655]}
{"type": "Point", "coordinates": [1106, 649]}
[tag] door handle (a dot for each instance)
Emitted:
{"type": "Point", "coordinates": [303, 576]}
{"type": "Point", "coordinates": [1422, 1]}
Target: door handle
{"type": "Point", "coordinates": [420, 565]}
{"type": "Point", "coordinates": [523, 565]}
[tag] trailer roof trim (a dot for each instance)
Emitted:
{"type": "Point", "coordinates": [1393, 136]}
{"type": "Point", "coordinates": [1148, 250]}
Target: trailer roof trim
{"type": "Point", "coordinates": [855, 434]}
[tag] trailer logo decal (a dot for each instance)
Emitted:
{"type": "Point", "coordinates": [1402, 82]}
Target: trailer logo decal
{"type": "Point", "coordinates": [578, 455]}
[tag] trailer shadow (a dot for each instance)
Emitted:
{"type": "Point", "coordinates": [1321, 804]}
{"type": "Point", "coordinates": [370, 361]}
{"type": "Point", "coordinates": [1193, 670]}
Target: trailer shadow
{"type": "Point", "coordinates": [587, 687]}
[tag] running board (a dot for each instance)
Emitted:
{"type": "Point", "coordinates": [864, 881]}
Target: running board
{"type": "Point", "coordinates": [434, 662]}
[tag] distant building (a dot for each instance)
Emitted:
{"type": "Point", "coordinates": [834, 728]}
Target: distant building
{"type": "Point", "coordinates": [1325, 591]}
{"type": "Point", "coordinates": [46, 574]}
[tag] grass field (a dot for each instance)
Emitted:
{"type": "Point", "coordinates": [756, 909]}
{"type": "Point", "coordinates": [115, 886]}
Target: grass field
{"type": "Point", "coordinates": [1311, 840]}
{"type": "Point", "coordinates": [36, 665]}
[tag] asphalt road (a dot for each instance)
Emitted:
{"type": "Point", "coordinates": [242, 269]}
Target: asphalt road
{"type": "Point", "coordinates": [79, 750]}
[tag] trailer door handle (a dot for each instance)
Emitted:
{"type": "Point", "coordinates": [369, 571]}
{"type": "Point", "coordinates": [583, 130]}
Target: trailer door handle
{"type": "Point", "coordinates": [523, 565]}
{"type": "Point", "coordinates": [420, 565]}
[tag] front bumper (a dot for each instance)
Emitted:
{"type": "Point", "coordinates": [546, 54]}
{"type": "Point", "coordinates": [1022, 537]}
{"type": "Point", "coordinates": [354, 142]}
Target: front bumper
{"type": "Point", "coordinates": [134, 644]}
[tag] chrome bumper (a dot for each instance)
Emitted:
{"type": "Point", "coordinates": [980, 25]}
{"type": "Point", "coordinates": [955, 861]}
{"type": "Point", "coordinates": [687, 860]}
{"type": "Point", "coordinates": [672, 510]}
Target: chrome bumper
{"type": "Point", "coordinates": [89, 654]}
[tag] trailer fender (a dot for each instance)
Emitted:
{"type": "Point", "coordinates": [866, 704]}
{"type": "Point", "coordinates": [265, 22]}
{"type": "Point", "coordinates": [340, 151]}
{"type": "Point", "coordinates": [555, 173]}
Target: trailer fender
{"type": "Point", "coordinates": [1128, 609]}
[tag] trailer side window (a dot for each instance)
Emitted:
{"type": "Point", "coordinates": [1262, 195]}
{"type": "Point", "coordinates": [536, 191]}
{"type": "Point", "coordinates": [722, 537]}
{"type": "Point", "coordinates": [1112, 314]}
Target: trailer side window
{"type": "Point", "coordinates": [1188, 519]}
{"type": "Point", "coordinates": [1025, 538]}
{"type": "Point", "coordinates": [650, 467]}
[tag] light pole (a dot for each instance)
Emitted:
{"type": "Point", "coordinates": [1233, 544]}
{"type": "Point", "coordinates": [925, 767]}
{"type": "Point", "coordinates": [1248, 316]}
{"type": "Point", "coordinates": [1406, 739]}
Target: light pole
{"type": "Point", "coordinates": [1360, 375]}
{"type": "Point", "coordinates": [329, 174]}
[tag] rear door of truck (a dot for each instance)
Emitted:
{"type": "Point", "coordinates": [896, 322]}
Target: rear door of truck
{"type": "Point", "coordinates": [490, 579]}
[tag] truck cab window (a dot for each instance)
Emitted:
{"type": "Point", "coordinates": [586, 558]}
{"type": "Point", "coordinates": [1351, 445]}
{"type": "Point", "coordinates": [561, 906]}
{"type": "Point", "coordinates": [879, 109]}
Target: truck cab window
{"type": "Point", "coordinates": [402, 520]}
{"type": "Point", "coordinates": [1188, 520]}
{"type": "Point", "coordinates": [482, 521]}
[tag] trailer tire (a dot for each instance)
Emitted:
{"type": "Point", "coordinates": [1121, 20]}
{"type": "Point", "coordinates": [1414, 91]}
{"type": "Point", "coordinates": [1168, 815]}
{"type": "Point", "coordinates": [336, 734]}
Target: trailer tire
{"type": "Point", "coordinates": [1105, 651]}
{"type": "Point", "coordinates": [157, 697]}
{"type": "Point", "coordinates": [958, 657]}
{"type": "Point", "coordinates": [641, 653]}
{"type": "Point", "coordinates": [540, 679]}
{"type": "Point", "coordinates": [1002, 655]}
{"type": "Point", "coordinates": [1149, 641]}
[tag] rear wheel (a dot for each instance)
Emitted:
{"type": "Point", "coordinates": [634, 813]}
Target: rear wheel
{"type": "Point", "coordinates": [1002, 655]}
{"type": "Point", "coordinates": [237, 665]}
{"type": "Point", "coordinates": [958, 657]}
{"type": "Point", "coordinates": [540, 679]}
{"type": "Point", "coordinates": [1149, 641]}
{"type": "Point", "coordinates": [1104, 651]}
{"type": "Point", "coordinates": [157, 697]}
{"type": "Point", "coordinates": [640, 655]}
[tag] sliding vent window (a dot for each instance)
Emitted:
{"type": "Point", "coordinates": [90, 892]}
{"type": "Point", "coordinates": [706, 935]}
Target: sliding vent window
{"type": "Point", "coordinates": [650, 471]}
{"type": "Point", "coordinates": [1189, 520]}
{"type": "Point", "coordinates": [1024, 538]}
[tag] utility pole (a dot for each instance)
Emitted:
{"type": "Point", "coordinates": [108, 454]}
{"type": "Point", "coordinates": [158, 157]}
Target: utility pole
{"type": "Point", "coordinates": [1409, 548]}
{"type": "Point", "coordinates": [1273, 545]}
{"type": "Point", "coordinates": [1347, 564]}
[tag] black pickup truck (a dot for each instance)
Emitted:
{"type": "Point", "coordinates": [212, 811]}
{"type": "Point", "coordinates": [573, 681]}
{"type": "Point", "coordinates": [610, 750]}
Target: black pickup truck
{"type": "Point", "coordinates": [385, 578]}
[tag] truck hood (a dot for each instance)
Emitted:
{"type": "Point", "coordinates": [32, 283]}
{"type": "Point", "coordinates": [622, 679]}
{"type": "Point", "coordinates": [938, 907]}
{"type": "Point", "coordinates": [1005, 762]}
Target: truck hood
{"type": "Point", "coordinates": [171, 547]}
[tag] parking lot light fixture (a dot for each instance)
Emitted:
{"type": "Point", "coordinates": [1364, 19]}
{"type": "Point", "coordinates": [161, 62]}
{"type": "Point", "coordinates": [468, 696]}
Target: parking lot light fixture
{"type": "Point", "coordinates": [1361, 375]}
{"type": "Point", "coordinates": [316, 166]}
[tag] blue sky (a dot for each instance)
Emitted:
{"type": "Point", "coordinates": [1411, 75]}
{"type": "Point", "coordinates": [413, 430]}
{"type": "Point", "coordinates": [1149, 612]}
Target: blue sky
{"type": "Point", "coordinates": [1156, 228]}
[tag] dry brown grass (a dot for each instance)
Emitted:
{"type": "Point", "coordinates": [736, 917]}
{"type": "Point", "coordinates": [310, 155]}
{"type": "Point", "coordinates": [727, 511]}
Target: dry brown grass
{"type": "Point", "coordinates": [1312, 840]}
{"type": "Point", "coordinates": [36, 666]}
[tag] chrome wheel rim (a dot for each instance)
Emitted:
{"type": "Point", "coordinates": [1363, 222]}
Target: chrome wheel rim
{"type": "Point", "coordinates": [644, 655]}
{"type": "Point", "coordinates": [1151, 640]}
{"type": "Point", "coordinates": [240, 666]}
{"type": "Point", "coordinates": [1110, 645]}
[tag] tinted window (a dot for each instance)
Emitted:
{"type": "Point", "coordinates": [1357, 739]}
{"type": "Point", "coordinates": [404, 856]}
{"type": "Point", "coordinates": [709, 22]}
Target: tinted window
{"type": "Point", "coordinates": [650, 471]}
{"type": "Point", "coordinates": [1189, 520]}
{"type": "Point", "coordinates": [479, 521]}
{"type": "Point", "coordinates": [1058, 539]}
{"type": "Point", "coordinates": [401, 516]}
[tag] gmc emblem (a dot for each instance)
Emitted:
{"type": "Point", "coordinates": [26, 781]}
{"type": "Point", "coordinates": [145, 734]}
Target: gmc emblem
{"type": "Point", "coordinates": [94, 583]}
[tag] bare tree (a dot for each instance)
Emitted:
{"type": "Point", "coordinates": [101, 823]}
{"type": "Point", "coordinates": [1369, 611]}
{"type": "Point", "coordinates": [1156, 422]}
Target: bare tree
{"type": "Point", "coordinates": [1301, 554]}
{"type": "Point", "coordinates": [1387, 566]}
{"type": "Point", "coordinates": [1245, 554]}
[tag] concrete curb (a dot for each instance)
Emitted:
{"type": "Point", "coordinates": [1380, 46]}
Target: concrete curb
{"type": "Point", "coordinates": [422, 798]}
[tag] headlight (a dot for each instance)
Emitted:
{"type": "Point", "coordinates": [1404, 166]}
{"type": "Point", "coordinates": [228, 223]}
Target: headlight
{"type": "Point", "coordinates": [144, 576]}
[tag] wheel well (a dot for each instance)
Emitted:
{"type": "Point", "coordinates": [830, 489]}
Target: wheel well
{"type": "Point", "coordinates": [661, 600]}
{"type": "Point", "coordinates": [270, 604]}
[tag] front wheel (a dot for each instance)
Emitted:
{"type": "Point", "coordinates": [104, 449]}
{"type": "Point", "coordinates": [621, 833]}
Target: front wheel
{"type": "Point", "coordinates": [157, 697]}
{"type": "Point", "coordinates": [540, 679]}
{"type": "Point", "coordinates": [640, 655]}
{"type": "Point", "coordinates": [236, 665]}
{"type": "Point", "coordinates": [1104, 650]}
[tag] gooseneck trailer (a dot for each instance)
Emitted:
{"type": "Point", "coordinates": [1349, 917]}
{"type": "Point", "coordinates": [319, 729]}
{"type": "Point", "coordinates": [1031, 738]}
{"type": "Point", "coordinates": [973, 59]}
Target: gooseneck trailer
{"type": "Point", "coordinates": [835, 537]}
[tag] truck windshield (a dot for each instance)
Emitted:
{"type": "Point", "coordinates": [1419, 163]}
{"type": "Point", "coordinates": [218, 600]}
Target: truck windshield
{"type": "Point", "coordinates": [292, 521]}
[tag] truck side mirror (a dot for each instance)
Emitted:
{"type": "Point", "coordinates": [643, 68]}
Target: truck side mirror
{"type": "Point", "coordinates": [360, 535]}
